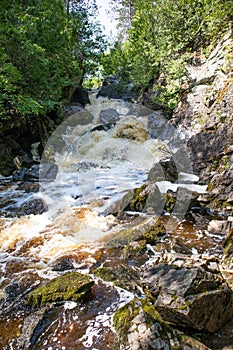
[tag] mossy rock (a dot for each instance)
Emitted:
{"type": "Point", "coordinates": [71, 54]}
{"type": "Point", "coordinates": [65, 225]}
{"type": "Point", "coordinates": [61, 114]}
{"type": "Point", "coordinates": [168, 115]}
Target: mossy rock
{"type": "Point", "coordinates": [135, 249]}
{"type": "Point", "coordinates": [132, 129]}
{"type": "Point", "coordinates": [72, 286]}
{"type": "Point", "coordinates": [121, 276]}
{"type": "Point", "coordinates": [139, 325]}
{"type": "Point", "coordinates": [143, 199]}
{"type": "Point", "coordinates": [149, 230]}
{"type": "Point", "coordinates": [139, 322]}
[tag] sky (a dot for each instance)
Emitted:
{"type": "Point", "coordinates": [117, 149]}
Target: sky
{"type": "Point", "coordinates": [107, 21]}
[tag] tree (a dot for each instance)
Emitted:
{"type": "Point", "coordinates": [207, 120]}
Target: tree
{"type": "Point", "coordinates": [45, 48]}
{"type": "Point", "coordinates": [163, 37]}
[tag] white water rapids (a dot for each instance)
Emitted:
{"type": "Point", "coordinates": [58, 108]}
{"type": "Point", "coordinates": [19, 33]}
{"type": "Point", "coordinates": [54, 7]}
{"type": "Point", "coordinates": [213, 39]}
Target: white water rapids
{"type": "Point", "coordinates": [96, 167]}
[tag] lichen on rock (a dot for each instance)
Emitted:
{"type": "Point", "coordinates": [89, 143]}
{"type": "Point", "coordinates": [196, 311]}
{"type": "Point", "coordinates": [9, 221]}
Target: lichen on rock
{"type": "Point", "coordinates": [72, 286]}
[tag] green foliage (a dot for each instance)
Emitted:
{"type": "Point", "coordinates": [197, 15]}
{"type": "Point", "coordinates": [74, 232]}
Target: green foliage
{"type": "Point", "coordinates": [46, 47]}
{"type": "Point", "coordinates": [163, 37]}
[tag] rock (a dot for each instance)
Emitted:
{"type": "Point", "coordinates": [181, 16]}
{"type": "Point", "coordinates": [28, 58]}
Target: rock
{"type": "Point", "coordinates": [102, 127]}
{"type": "Point", "coordinates": [80, 95]}
{"type": "Point", "coordinates": [114, 87]}
{"type": "Point", "coordinates": [139, 326]}
{"type": "Point", "coordinates": [109, 116]}
{"type": "Point", "coordinates": [140, 111]}
{"type": "Point", "coordinates": [227, 257]}
{"type": "Point", "coordinates": [190, 297]}
{"type": "Point", "coordinates": [141, 229]}
{"type": "Point", "coordinates": [73, 108]}
{"type": "Point", "coordinates": [82, 117]}
{"type": "Point", "coordinates": [72, 286]}
{"type": "Point", "coordinates": [63, 265]}
{"type": "Point", "coordinates": [28, 187]}
{"type": "Point", "coordinates": [121, 276]}
{"type": "Point", "coordinates": [131, 129]}
{"type": "Point", "coordinates": [164, 170]}
{"type": "Point", "coordinates": [44, 171]}
{"type": "Point", "coordinates": [48, 171]}
{"type": "Point", "coordinates": [23, 160]}
{"type": "Point", "coordinates": [146, 198]}
{"type": "Point", "coordinates": [32, 206]}
{"type": "Point", "coordinates": [156, 124]}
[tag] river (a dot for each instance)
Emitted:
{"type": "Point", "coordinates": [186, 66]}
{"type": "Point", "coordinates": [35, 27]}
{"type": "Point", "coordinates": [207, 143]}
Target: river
{"type": "Point", "coordinates": [96, 165]}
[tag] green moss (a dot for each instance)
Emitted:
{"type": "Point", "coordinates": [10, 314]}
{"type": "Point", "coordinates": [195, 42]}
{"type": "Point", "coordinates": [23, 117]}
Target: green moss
{"type": "Point", "coordinates": [148, 230]}
{"type": "Point", "coordinates": [151, 311]}
{"type": "Point", "coordinates": [122, 319]}
{"type": "Point", "coordinates": [70, 286]}
{"type": "Point", "coordinates": [134, 249]}
{"type": "Point", "coordinates": [170, 201]}
{"type": "Point", "coordinates": [106, 274]}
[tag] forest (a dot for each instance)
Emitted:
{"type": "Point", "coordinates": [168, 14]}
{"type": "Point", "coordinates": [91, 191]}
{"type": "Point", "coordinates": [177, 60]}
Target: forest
{"type": "Point", "coordinates": [116, 175]}
{"type": "Point", "coordinates": [48, 47]}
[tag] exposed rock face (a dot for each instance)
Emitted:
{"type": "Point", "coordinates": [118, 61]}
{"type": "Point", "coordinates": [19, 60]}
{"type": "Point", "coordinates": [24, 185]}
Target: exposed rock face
{"type": "Point", "coordinates": [205, 117]}
{"type": "Point", "coordinates": [139, 326]}
{"type": "Point", "coordinates": [190, 297]}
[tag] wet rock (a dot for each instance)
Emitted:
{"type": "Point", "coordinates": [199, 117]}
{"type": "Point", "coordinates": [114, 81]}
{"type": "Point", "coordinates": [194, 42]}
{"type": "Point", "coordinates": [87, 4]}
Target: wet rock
{"type": "Point", "coordinates": [146, 198]}
{"type": "Point", "coordinates": [102, 127]}
{"type": "Point", "coordinates": [28, 187]}
{"type": "Point", "coordinates": [32, 206]}
{"type": "Point", "coordinates": [28, 328]}
{"type": "Point", "coordinates": [164, 170]}
{"type": "Point", "coordinates": [190, 297]}
{"type": "Point", "coordinates": [122, 276]}
{"type": "Point", "coordinates": [64, 264]}
{"type": "Point", "coordinates": [139, 326]}
{"type": "Point", "coordinates": [82, 117]}
{"type": "Point", "coordinates": [141, 229]}
{"type": "Point", "coordinates": [131, 129]}
{"type": "Point", "coordinates": [72, 286]}
{"type": "Point", "coordinates": [48, 171]}
{"type": "Point", "coordinates": [109, 116]}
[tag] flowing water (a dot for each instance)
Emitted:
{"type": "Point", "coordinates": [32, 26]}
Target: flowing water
{"type": "Point", "coordinates": [95, 169]}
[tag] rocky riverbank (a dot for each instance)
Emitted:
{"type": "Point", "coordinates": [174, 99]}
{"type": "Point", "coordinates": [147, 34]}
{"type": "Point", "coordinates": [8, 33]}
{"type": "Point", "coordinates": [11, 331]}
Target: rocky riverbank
{"type": "Point", "coordinates": [115, 243]}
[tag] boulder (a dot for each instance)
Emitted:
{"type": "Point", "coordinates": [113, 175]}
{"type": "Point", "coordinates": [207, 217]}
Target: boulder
{"type": "Point", "coordinates": [190, 296]}
{"type": "Point", "coordinates": [81, 96]}
{"type": "Point", "coordinates": [114, 87]}
{"type": "Point", "coordinates": [138, 325]}
{"type": "Point", "coordinates": [43, 171]}
{"type": "Point", "coordinates": [164, 170]}
{"type": "Point", "coordinates": [121, 276]}
{"type": "Point", "coordinates": [149, 230]}
{"type": "Point", "coordinates": [146, 198]}
{"type": "Point", "coordinates": [32, 206]}
{"type": "Point", "coordinates": [131, 129]}
{"type": "Point", "coordinates": [108, 116]}
{"type": "Point", "coordinates": [72, 286]}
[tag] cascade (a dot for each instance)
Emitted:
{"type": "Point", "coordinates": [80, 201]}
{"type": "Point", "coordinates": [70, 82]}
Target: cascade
{"type": "Point", "coordinates": [97, 164]}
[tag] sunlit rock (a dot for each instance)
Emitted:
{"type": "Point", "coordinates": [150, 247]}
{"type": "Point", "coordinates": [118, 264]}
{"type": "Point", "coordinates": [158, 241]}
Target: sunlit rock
{"type": "Point", "coordinates": [72, 286]}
